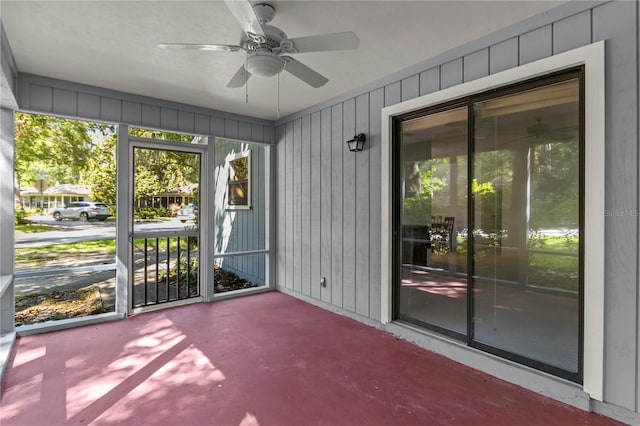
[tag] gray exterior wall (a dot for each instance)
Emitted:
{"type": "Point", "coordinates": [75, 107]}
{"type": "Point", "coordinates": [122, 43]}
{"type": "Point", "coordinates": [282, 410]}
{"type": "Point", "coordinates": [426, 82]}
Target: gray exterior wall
{"type": "Point", "coordinates": [8, 64]}
{"type": "Point", "coordinates": [328, 202]}
{"type": "Point", "coordinates": [49, 96]}
{"type": "Point", "coordinates": [241, 230]}
{"type": "Point", "coordinates": [8, 80]}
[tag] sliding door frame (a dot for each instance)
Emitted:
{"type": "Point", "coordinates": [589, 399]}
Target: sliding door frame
{"type": "Point", "coordinates": [592, 58]}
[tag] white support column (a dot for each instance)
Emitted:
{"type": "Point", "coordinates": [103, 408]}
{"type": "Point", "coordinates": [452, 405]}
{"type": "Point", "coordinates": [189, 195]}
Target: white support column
{"type": "Point", "coordinates": [124, 222]}
{"type": "Point", "coordinates": [7, 212]}
{"type": "Point", "coordinates": [206, 220]}
{"type": "Point", "coordinates": [269, 218]}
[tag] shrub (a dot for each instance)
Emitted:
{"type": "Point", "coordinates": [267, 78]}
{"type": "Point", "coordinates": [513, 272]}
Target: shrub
{"type": "Point", "coordinates": [20, 217]}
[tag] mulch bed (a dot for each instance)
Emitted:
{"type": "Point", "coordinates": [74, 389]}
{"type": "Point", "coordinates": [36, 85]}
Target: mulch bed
{"type": "Point", "coordinates": [57, 305]}
{"type": "Point", "coordinates": [228, 281]}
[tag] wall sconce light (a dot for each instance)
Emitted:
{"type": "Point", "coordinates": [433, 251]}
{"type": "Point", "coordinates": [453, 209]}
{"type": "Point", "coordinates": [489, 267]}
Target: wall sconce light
{"type": "Point", "coordinates": [357, 143]}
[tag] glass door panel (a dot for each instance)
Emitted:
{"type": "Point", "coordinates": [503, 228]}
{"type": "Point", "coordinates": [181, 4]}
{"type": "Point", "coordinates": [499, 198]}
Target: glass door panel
{"type": "Point", "coordinates": [433, 216]}
{"type": "Point", "coordinates": [526, 174]}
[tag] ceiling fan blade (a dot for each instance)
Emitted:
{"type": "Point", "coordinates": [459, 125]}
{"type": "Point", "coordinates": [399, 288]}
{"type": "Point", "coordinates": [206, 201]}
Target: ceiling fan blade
{"type": "Point", "coordinates": [242, 10]}
{"type": "Point", "coordinates": [195, 46]}
{"type": "Point", "coordinates": [240, 78]}
{"type": "Point", "coordinates": [304, 73]}
{"type": "Point", "coordinates": [326, 42]}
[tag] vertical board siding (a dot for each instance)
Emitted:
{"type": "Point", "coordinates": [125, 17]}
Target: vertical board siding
{"type": "Point", "coordinates": [186, 121]}
{"type": "Point", "coordinates": [451, 73]}
{"type": "Point", "coordinates": [169, 118]}
{"type": "Point", "coordinates": [536, 44]}
{"type": "Point", "coordinates": [476, 65]}
{"type": "Point", "coordinates": [296, 174]}
{"type": "Point", "coordinates": [392, 94]}
{"type": "Point", "coordinates": [305, 213]}
{"type": "Point", "coordinates": [244, 131]}
{"type": "Point", "coordinates": [41, 98]}
{"type": "Point", "coordinates": [503, 55]}
{"type": "Point", "coordinates": [316, 191]}
{"type": "Point", "coordinates": [241, 230]}
{"type": "Point", "coordinates": [217, 126]}
{"type": "Point", "coordinates": [8, 62]}
{"type": "Point", "coordinates": [349, 208]}
{"type": "Point", "coordinates": [363, 207]}
{"type": "Point", "coordinates": [257, 133]}
{"type": "Point", "coordinates": [201, 123]}
{"type": "Point", "coordinates": [430, 81]}
{"type": "Point", "coordinates": [337, 212]}
{"type": "Point", "coordinates": [322, 135]}
{"type": "Point", "coordinates": [132, 112]}
{"type": "Point", "coordinates": [376, 102]}
{"type": "Point", "coordinates": [410, 87]}
{"type": "Point", "coordinates": [344, 204]}
{"type": "Point", "coordinates": [111, 109]}
{"type": "Point", "coordinates": [65, 102]}
{"type": "Point", "coordinates": [151, 116]}
{"type": "Point", "coordinates": [611, 22]}
{"type": "Point", "coordinates": [50, 96]}
{"type": "Point", "coordinates": [572, 32]}
{"type": "Point", "coordinates": [231, 128]}
{"type": "Point", "coordinates": [89, 105]}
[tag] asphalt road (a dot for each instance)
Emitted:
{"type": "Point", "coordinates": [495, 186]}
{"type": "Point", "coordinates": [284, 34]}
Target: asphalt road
{"type": "Point", "coordinates": [68, 231]}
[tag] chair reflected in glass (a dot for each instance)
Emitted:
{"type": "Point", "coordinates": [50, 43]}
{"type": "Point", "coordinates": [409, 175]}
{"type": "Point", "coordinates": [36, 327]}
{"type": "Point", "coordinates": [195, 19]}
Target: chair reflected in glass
{"type": "Point", "coordinates": [441, 234]}
{"type": "Point", "coordinates": [419, 241]}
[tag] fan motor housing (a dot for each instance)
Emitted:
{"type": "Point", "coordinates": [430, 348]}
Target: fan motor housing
{"type": "Point", "coordinates": [264, 64]}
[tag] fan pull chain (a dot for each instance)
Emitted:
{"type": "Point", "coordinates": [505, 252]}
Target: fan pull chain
{"type": "Point", "coordinates": [246, 80]}
{"type": "Point", "coordinates": [278, 110]}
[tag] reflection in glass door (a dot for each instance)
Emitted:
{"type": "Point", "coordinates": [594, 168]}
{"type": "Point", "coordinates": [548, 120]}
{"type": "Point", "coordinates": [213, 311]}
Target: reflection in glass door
{"type": "Point", "coordinates": [433, 212]}
{"type": "Point", "coordinates": [526, 224]}
{"type": "Point", "coordinates": [489, 215]}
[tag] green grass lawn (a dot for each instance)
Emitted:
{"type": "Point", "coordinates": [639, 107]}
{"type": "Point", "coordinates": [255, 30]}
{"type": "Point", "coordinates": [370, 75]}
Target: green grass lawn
{"type": "Point", "coordinates": [39, 255]}
{"type": "Point", "coordinates": [561, 243]}
{"type": "Point", "coordinates": [49, 252]}
{"type": "Point", "coordinates": [32, 228]}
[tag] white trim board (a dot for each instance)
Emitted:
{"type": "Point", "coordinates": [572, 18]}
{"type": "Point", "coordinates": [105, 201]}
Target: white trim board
{"type": "Point", "coordinates": [592, 57]}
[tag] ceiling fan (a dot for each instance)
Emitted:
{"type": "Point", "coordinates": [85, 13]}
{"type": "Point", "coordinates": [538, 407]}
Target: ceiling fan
{"type": "Point", "coordinates": [267, 48]}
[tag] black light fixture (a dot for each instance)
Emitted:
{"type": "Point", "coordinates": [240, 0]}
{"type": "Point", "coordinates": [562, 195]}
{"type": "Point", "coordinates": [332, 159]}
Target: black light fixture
{"type": "Point", "coordinates": [357, 143]}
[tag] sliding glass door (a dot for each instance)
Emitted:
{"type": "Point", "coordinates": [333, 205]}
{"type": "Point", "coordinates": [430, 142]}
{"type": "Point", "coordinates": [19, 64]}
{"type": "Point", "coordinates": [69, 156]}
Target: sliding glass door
{"type": "Point", "coordinates": [433, 169]}
{"type": "Point", "coordinates": [489, 209]}
{"type": "Point", "coordinates": [526, 227]}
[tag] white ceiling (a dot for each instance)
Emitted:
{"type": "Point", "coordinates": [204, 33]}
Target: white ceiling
{"type": "Point", "coordinates": [112, 44]}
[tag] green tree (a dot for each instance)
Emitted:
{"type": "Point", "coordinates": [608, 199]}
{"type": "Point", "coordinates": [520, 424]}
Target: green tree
{"type": "Point", "coordinates": [57, 148]}
{"type": "Point", "coordinates": [81, 152]}
{"type": "Point", "coordinates": [159, 171]}
{"type": "Point", "coordinates": [101, 174]}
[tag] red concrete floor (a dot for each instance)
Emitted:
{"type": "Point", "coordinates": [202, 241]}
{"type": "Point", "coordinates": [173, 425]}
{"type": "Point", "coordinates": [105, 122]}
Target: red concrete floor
{"type": "Point", "coordinates": [267, 359]}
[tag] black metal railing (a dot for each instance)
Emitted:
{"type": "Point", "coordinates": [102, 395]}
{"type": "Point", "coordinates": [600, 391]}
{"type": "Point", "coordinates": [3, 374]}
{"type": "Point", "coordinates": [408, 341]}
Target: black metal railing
{"type": "Point", "coordinates": [166, 269]}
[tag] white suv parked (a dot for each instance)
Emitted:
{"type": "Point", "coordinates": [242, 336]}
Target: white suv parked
{"type": "Point", "coordinates": [83, 210]}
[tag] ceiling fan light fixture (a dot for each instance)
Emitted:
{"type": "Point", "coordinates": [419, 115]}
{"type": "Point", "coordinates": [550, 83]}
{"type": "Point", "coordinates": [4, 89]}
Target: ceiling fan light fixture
{"type": "Point", "coordinates": [264, 64]}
